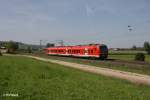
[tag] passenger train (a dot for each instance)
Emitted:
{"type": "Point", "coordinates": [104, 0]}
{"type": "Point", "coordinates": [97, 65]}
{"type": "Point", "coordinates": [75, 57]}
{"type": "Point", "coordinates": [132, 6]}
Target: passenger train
{"type": "Point", "coordinates": [93, 51]}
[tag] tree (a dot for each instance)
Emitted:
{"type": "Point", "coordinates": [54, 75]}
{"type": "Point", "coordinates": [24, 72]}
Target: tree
{"type": "Point", "coordinates": [29, 49]}
{"type": "Point", "coordinates": [11, 46]}
{"type": "Point", "coordinates": [147, 47]}
{"type": "Point", "coordinates": [0, 53]}
{"type": "Point", "coordinates": [134, 47]}
{"type": "Point", "coordinates": [140, 57]}
{"type": "Point", "coordinates": [50, 45]}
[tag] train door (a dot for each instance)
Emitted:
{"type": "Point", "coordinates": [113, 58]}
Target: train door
{"type": "Point", "coordinates": [86, 51]}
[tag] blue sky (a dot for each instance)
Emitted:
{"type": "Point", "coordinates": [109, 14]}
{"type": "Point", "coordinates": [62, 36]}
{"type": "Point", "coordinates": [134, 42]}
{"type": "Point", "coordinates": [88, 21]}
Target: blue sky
{"type": "Point", "coordinates": [76, 21]}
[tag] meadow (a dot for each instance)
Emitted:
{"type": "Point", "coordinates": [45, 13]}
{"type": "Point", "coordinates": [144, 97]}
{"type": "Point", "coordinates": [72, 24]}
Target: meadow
{"type": "Point", "coordinates": [127, 57]}
{"type": "Point", "coordinates": [124, 62]}
{"type": "Point", "coordinates": [35, 80]}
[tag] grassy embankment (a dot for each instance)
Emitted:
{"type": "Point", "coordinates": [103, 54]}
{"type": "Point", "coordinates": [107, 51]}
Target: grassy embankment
{"type": "Point", "coordinates": [36, 80]}
{"type": "Point", "coordinates": [131, 66]}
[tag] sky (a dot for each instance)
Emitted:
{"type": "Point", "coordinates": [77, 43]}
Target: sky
{"type": "Point", "coordinates": [76, 21]}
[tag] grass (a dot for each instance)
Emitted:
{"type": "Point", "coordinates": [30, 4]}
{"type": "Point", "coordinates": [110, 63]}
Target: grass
{"type": "Point", "coordinates": [126, 51]}
{"type": "Point", "coordinates": [36, 80]}
{"type": "Point", "coordinates": [127, 57]}
{"type": "Point", "coordinates": [131, 67]}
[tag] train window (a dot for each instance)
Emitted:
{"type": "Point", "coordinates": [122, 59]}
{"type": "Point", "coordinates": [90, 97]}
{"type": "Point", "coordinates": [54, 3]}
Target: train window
{"type": "Point", "coordinates": [91, 51]}
{"type": "Point", "coordinates": [104, 49]}
{"type": "Point", "coordinates": [78, 51]}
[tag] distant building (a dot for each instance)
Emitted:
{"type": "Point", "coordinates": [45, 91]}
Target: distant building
{"type": "Point", "coordinates": [3, 49]}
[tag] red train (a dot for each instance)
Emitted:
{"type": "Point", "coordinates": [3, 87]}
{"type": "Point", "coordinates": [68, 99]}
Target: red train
{"type": "Point", "coordinates": [94, 51]}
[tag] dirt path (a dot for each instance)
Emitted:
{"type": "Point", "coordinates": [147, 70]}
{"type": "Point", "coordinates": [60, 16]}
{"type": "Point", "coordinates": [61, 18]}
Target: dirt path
{"type": "Point", "coordinates": [132, 77]}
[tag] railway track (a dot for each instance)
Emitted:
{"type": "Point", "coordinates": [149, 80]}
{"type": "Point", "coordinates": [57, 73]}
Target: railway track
{"type": "Point", "coordinates": [113, 61]}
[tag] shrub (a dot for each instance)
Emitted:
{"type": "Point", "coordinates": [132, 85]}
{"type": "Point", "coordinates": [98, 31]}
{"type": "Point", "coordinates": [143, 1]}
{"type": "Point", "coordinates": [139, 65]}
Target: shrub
{"type": "Point", "coordinates": [140, 57]}
{"type": "Point", "coordinates": [11, 47]}
{"type": "Point", "coordinates": [0, 53]}
{"type": "Point", "coordinates": [29, 49]}
{"type": "Point", "coordinates": [147, 47]}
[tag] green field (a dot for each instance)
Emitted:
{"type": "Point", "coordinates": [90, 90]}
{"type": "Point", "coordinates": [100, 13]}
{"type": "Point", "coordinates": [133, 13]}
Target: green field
{"type": "Point", "coordinates": [36, 80]}
{"type": "Point", "coordinates": [119, 65]}
{"type": "Point", "coordinates": [127, 57]}
{"type": "Point", "coordinates": [127, 54]}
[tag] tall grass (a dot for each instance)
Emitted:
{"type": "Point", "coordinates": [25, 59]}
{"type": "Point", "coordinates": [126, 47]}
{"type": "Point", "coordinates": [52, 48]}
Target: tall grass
{"type": "Point", "coordinates": [35, 80]}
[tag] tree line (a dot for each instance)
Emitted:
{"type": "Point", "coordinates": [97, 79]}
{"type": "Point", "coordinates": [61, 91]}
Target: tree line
{"type": "Point", "coordinates": [12, 46]}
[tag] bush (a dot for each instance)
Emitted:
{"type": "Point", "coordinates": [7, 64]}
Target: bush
{"type": "Point", "coordinates": [29, 49]}
{"type": "Point", "coordinates": [147, 47]}
{"type": "Point", "coordinates": [11, 47]}
{"type": "Point", "coordinates": [140, 57]}
{"type": "Point", "coordinates": [0, 53]}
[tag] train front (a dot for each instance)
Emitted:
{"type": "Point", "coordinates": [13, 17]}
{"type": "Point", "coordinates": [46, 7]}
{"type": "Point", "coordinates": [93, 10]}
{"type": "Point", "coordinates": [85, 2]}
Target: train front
{"type": "Point", "coordinates": [103, 51]}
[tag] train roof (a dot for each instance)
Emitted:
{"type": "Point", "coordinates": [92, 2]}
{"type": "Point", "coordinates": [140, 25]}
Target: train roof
{"type": "Point", "coordinates": [78, 46]}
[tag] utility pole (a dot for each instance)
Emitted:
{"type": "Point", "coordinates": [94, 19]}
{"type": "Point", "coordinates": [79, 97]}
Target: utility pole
{"type": "Point", "coordinates": [60, 42]}
{"type": "Point", "coordinates": [40, 44]}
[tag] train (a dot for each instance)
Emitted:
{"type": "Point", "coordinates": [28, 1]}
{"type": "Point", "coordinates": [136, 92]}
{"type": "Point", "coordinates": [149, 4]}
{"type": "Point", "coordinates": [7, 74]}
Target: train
{"type": "Point", "coordinates": [92, 51]}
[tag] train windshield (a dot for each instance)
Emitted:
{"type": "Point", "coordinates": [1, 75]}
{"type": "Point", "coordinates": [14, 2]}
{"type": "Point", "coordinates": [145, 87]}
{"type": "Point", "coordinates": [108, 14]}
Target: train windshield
{"type": "Point", "coordinates": [104, 49]}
